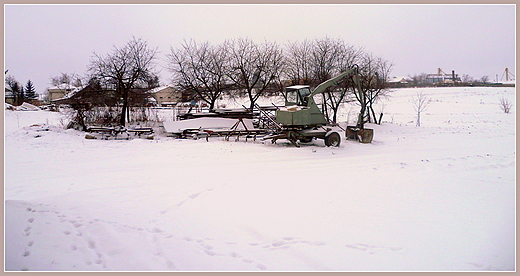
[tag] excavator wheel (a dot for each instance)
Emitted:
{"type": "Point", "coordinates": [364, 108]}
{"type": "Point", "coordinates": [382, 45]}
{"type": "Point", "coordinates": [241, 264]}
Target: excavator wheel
{"type": "Point", "coordinates": [333, 140]}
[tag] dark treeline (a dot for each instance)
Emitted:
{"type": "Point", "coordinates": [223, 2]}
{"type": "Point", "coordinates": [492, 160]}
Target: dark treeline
{"type": "Point", "coordinates": [19, 93]}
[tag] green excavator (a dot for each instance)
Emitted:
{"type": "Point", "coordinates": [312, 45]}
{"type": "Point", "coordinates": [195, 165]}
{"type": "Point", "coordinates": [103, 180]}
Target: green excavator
{"type": "Point", "coordinates": [301, 120]}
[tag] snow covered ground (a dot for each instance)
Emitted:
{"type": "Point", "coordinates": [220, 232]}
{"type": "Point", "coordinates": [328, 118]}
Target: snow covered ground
{"type": "Point", "coordinates": [440, 197]}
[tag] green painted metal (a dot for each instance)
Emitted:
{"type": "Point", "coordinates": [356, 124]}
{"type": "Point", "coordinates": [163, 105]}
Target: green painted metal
{"type": "Point", "coordinates": [301, 109]}
{"type": "Point", "coordinates": [301, 116]}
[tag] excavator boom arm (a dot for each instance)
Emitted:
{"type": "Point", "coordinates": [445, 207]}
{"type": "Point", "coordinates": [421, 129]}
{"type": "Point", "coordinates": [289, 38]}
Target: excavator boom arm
{"type": "Point", "coordinates": [324, 85]}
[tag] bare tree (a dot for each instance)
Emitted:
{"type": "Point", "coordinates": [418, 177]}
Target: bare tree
{"type": "Point", "coordinates": [126, 68]}
{"type": "Point", "coordinates": [420, 102]}
{"type": "Point", "coordinates": [298, 62]}
{"type": "Point", "coordinates": [505, 105]}
{"type": "Point", "coordinates": [63, 79]}
{"type": "Point", "coordinates": [200, 68]}
{"type": "Point", "coordinates": [344, 57]}
{"type": "Point", "coordinates": [67, 79]}
{"type": "Point", "coordinates": [253, 67]}
{"type": "Point", "coordinates": [467, 78]}
{"type": "Point", "coordinates": [374, 72]}
{"type": "Point", "coordinates": [327, 54]}
{"type": "Point", "coordinates": [316, 61]}
{"type": "Point", "coordinates": [419, 80]}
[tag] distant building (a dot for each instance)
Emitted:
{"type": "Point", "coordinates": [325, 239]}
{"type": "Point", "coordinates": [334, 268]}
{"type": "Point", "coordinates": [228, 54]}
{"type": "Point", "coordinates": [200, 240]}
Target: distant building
{"type": "Point", "coordinates": [443, 79]}
{"type": "Point", "coordinates": [9, 95]}
{"type": "Point", "coordinates": [90, 95]}
{"type": "Point", "coordinates": [398, 82]}
{"type": "Point", "coordinates": [60, 91]}
{"type": "Point", "coordinates": [164, 96]}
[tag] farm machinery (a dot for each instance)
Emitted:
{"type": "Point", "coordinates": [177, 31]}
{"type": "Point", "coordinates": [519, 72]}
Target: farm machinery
{"type": "Point", "coordinates": [301, 119]}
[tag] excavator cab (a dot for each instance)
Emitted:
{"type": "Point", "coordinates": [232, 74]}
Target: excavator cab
{"type": "Point", "coordinates": [299, 109]}
{"type": "Point", "coordinates": [297, 95]}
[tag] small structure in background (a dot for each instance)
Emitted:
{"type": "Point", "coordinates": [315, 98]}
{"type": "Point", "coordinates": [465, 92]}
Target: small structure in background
{"type": "Point", "coordinates": [91, 95]}
{"type": "Point", "coordinates": [507, 79]}
{"type": "Point", "coordinates": [508, 76]}
{"type": "Point", "coordinates": [443, 79]}
{"type": "Point", "coordinates": [61, 91]}
{"type": "Point", "coordinates": [164, 96]}
{"type": "Point", "coordinates": [398, 82]}
{"type": "Point", "coordinates": [9, 95]}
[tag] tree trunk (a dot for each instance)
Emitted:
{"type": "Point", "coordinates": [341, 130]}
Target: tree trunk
{"type": "Point", "coordinates": [373, 114]}
{"type": "Point", "coordinates": [363, 103]}
{"type": "Point", "coordinates": [128, 110]}
{"type": "Point", "coordinates": [253, 99]}
{"type": "Point", "coordinates": [212, 104]}
{"type": "Point", "coordinates": [368, 114]}
{"type": "Point", "coordinates": [122, 121]}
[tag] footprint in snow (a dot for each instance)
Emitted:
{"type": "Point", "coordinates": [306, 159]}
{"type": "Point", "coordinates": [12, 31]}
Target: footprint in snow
{"type": "Point", "coordinates": [247, 261]}
{"type": "Point", "coordinates": [91, 244]}
{"type": "Point", "coordinates": [157, 230]}
{"type": "Point", "coordinates": [235, 255]}
{"type": "Point", "coordinates": [209, 252]}
{"type": "Point", "coordinates": [195, 195]}
{"type": "Point", "coordinates": [372, 249]}
{"type": "Point", "coordinates": [261, 267]}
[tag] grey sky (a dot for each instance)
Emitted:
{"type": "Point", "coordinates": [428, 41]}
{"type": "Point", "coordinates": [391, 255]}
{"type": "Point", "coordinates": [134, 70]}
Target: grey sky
{"type": "Point", "coordinates": [45, 40]}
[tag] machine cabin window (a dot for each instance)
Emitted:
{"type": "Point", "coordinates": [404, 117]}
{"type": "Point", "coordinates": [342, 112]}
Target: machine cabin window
{"type": "Point", "coordinates": [298, 96]}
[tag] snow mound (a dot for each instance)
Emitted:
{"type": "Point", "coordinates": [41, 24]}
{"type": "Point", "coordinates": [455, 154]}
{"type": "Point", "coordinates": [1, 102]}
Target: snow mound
{"type": "Point", "coordinates": [9, 106]}
{"type": "Point", "coordinates": [27, 107]}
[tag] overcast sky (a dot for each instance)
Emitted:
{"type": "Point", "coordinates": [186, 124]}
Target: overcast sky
{"type": "Point", "coordinates": [478, 40]}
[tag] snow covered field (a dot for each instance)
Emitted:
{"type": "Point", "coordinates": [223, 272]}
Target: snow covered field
{"type": "Point", "coordinates": [440, 197]}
